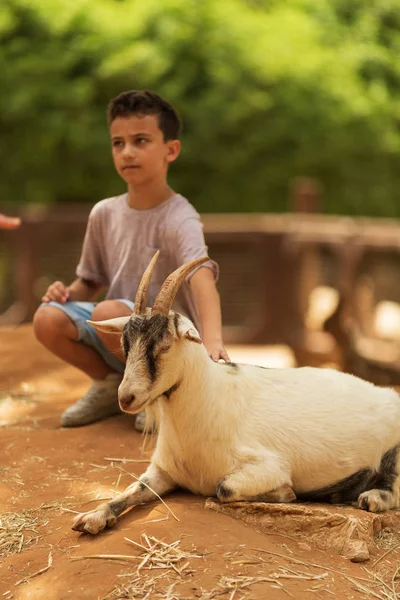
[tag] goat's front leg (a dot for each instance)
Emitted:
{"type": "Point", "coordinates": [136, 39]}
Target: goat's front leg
{"type": "Point", "coordinates": [106, 514]}
{"type": "Point", "coordinates": [259, 479]}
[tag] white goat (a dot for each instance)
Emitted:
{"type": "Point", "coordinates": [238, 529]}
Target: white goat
{"type": "Point", "coordinates": [243, 432]}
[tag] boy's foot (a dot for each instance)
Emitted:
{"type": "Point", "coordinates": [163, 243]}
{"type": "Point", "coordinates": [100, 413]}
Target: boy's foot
{"type": "Point", "coordinates": [99, 402]}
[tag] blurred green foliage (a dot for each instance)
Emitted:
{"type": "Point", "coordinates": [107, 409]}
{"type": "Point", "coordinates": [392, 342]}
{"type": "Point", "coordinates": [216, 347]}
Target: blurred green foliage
{"type": "Point", "coordinates": [268, 90]}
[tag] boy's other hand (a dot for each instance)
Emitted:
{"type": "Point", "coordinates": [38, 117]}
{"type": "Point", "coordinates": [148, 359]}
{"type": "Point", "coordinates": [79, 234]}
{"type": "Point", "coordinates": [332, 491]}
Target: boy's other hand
{"type": "Point", "coordinates": [56, 292]}
{"type": "Point", "coordinates": [216, 350]}
{"type": "Point", "coordinates": [9, 222]}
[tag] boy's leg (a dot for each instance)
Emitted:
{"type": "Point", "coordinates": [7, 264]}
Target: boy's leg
{"type": "Point", "coordinates": [107, 310]}
{"type": "Point", "coordinates": [59, 334]}
{"type": "Point", "coordinates": [113, 343]}
{"type": "Point", "coordinates": [62, 328]}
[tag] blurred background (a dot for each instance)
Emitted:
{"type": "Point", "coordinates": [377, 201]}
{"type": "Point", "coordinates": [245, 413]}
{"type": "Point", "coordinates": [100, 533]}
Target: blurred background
{"type": "Point", "coordinates": [291, 153]}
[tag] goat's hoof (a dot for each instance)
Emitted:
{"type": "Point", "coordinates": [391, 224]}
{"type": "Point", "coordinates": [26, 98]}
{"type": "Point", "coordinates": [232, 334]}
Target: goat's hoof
{"type": "Point", "coordinates": [93, 522]}
{"type": "Point", "coordinates": [223, 491]}
{"type": "Point", "coordinates": [374, 500]}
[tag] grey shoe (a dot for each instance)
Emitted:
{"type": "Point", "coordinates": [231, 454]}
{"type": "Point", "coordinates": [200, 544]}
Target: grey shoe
{"type": "Point", "coordinates": [140, 421]}
{"type": "Point", "coordinates": [141, 425]}
{"type": "Point", "coordinates": [99, 402]}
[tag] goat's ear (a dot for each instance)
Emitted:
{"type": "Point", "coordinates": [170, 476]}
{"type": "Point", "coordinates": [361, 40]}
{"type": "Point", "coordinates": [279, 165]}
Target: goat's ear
{"type": "Point", "coordinates": [187, 330]}
{"type": "Point", "coordinates": [110, 325]}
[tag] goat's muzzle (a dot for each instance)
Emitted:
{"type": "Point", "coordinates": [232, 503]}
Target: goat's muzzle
{"type": "Point", "coordinates": [125, 401]}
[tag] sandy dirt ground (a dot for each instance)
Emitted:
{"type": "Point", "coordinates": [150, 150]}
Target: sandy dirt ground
{"type": "Point", "coordinates": [49, 473]}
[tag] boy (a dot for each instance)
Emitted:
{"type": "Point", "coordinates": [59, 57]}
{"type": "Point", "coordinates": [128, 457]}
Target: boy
{"type": "Point", "coordinates": [122, 235]}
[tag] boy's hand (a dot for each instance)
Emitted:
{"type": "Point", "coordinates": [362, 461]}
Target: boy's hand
{"type": "Point", "coordinates": [216, 350]}
{"type": "Point", "coordinates": [9, 222]}
{"type": "Point", "coordinates": [56, 292]}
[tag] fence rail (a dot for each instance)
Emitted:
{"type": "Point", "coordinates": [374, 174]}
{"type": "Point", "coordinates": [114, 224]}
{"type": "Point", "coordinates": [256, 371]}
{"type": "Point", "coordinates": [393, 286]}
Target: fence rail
{"type": "Point", "coordinates": [269, 264]}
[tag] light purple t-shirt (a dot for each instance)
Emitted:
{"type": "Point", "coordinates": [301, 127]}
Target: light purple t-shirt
{"type": "Point", "coordinates": [120, 242]}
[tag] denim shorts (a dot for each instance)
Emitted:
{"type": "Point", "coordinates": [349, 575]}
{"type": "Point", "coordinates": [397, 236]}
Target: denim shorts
{"type": "Point", "coordinates": [79, 312]}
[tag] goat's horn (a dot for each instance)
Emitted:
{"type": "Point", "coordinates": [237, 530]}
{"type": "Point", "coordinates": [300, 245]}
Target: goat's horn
{"type": "Point", "coordinates": [166, 295]}
{"type": "Point", "coordinates": [141, 294]}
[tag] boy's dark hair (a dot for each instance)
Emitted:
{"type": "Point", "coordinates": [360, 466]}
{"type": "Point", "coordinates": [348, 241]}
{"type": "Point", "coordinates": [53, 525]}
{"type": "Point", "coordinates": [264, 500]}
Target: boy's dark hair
{"type": "Point", "coordinates": [138, 102]}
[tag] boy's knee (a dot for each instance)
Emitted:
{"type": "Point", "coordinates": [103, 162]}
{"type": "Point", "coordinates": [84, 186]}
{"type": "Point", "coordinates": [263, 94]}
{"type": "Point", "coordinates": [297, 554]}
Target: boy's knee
{"type": "Point", "coordinates": [108, 309]}
{"type": "Point", "coordinates": [50, 323]}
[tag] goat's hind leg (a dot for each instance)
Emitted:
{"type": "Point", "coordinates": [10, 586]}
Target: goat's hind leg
{"type": "Point", "coordinates": [384, 492]}
{"type": "Point", "coordinates": [139, 492]}
{"type": "Point", "coordinates": [262, 480]}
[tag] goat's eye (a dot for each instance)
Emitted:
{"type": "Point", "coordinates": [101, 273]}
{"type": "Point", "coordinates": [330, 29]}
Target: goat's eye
{"type": "Point", "coordinates": [165, 344]}
{"type": "Point", "coordinates": [162, 349]}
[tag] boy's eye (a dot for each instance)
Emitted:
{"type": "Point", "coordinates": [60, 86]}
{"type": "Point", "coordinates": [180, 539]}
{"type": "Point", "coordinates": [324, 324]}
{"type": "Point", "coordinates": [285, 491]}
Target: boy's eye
{"type": "Point", "coordinates": [141, 141]}
{"type": "Point", "coordinates": [117, 144]}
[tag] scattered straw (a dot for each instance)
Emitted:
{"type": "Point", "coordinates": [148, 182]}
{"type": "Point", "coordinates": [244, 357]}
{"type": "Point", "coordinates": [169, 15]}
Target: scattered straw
{"type": "Point", "coordinates": [16, 531]}
{"type": "Point", "coordinates": [387, 538]}
{"type": "Point", "coordinates": [391, 549]}
{"type": "Point", "coordinates": [154, 555]}
{"type": "Point", "coordinates": [159, 555]}
{"type": "Point", "coordinates": [19, 530]}
{"type": "Point", "coordinates": [143, 588]}
{"type": "Point", "coordinates": [359, 583]}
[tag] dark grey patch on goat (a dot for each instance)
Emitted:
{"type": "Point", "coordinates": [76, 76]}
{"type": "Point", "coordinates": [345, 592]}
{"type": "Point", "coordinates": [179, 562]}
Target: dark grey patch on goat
{"type": "Point", "coordinates": [234, 366]}
{"type": "Point", "coordinates": [117, 507]}
{"type": "Point", "coordinates": [347, 490]}
{"type": "Point", "coordinates": [224, 492]}
{"type": "Point", "coordinates": [150, 331]}
{"type": "Point", "coordinates": [387, 473]}
{"type": "Point", "coordinates": [143, 483]}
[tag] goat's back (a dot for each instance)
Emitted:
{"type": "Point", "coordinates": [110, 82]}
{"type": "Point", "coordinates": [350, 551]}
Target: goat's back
{"type": "Point", "coordinates": [318, 418]}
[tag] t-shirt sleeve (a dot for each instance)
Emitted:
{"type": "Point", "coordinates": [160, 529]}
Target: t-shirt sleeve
{"type": "Point", "coordinates": [91, 264]}
{"type": "Point", "coordinates": [189, 244]}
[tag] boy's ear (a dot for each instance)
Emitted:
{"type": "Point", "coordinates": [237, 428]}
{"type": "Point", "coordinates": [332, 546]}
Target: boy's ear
{"type": "Point", "coordinates": [173, 150]}
{"type": "Point", "coordinates": [110, 325]}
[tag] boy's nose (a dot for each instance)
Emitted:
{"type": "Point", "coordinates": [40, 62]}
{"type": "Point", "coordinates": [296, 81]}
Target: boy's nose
{"type": "Point", "coordinates": [128, 150]}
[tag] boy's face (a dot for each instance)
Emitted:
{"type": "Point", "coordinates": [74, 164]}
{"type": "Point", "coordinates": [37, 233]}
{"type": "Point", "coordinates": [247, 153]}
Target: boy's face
{"type": "Point", "coordinates": [139, 151]}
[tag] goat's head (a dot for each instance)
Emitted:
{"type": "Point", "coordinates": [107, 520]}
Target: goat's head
{"type": "Point", "coordinates": [152, 340]}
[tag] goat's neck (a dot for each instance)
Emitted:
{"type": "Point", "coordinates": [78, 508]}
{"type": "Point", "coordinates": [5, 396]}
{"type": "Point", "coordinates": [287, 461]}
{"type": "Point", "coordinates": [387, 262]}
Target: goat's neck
{"type": "Point", "coordinates": [198, 381]}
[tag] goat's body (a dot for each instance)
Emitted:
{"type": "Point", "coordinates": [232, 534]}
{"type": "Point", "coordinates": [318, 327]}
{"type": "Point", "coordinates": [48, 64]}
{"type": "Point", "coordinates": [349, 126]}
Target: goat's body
{"type": "Point", "coordinates": [242, 432]}
{"type": "Point", "coordinates": [322, 425]}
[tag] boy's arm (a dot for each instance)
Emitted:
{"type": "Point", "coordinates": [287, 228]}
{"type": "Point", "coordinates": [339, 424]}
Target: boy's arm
{"type": "Point", "coordinates": [208, 304]}
{"type": "Point", "coordinates": [81, 289]}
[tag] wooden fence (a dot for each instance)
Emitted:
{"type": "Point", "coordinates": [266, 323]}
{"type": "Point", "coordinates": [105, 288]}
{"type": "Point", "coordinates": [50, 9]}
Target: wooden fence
{"type": "Point", "coordinates": [269, 264]}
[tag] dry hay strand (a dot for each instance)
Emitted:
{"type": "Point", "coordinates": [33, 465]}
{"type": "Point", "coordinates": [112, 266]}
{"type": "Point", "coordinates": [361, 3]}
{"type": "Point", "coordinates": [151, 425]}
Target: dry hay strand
{"type": "Point", "coordinates": [155, 554]}
{"type": "Point", "coordinates": [240, 583]}
{"type": "Point", "coordinates": [388, 539]}
{"type": "Point", "coordinates": [159, 555]}
{"type": "Point", "coordinates": [128, 460]}
{"type": "Point", "coordinates": [374, 586]}
{"type": "Point", "coordinates": [144, 589]}
{"type": "Point", "coordinates": [18, 531]}
{"type": "Point", "coordinates": [29, 577]}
